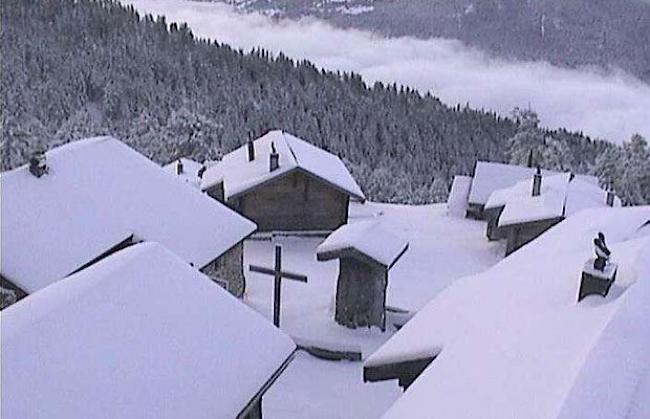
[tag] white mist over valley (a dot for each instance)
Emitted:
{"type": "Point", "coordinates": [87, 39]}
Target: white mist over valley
{"type": "Point", "coordinates": [611, 105]}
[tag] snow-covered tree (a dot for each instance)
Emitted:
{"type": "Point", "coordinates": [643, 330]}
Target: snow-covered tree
{"type": "Point", "coordinates": [94, 67]}
{"type": "Point", "coordinates": [529, 140]}
{"type": "Point", "coordinates": [556, 155]}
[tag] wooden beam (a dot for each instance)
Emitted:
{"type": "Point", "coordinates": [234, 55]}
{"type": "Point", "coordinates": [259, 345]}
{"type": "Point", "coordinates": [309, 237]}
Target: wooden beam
{"type": "Point", "coordinates": [405, 371]}
{"type": "Point", "coordinates": [256, 400]}
{"type": "Point", "coordinates": [285, 274]}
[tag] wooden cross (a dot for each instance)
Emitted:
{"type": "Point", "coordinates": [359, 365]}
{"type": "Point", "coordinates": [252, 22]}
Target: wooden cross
{"type": "Point", "coordinates": [279, 275]}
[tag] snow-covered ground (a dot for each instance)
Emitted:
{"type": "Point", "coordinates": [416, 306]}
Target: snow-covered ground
{"type": "Point", "coordinates": [442, 249]}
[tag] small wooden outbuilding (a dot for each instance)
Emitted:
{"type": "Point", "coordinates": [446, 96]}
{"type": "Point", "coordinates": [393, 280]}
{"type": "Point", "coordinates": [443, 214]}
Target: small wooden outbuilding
{"type": "Point", "coordinates": [366, 253]}
{"type": "Point", "coordinates": [284, 183]}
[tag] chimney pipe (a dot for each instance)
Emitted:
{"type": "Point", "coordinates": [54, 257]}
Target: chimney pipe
{"type": "Point", "coordinates": [37, 166]}
{"type": "Point", "coordinates": [251, 148]}
{"type": "Point", "coordinates": [274, 158]}
{"type": "Point", "coordinates": [610, 197]}
{"type": "Point", "coordinates": [537, 182]}
{"type": "Point", "coordinates": [179, 167]}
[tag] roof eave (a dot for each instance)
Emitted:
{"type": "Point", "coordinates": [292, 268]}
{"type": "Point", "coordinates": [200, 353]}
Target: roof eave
{"type": "Point", "coordinates": [244, 413]}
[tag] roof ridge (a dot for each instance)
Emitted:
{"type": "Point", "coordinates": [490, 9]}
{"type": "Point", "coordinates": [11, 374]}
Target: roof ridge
{"type": "Point", "coordinates": [288, 144]}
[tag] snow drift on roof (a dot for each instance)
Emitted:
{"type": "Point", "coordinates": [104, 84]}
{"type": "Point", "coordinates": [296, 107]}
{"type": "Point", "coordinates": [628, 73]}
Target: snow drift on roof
{"type": "Point", "coordinates": [190, 174]}
{"type": "Point", "coordinates": [615, 380]}
{"type": "Point", "coordinates": [511, 341]}
{"type": "Point", "coordinates": [97, 193]}
{"type": "Point", "coordinates": [561, 195]}
{"type": "Point", "coordinates": [241, 175]}
{"type": "Point", "coordinates": [141, 334]}
{"type": "Point", "coordinates": [368, 238]}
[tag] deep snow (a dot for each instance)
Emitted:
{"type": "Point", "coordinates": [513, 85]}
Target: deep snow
{"type": "Point", "coordinates": [442, 249]}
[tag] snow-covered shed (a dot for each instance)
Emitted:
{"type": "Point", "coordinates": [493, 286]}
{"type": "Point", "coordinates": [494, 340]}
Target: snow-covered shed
{"type": "Point", "coordinates": [187, 170]}
{"type": "Point", "coordinates": [512, 342]}
{"type": "Point", "coordinates": [99, 196]}
{"type": "Point", "coordinates": [140, 334]}
{"type": "Point", "coordinates": [366, 252]}
{"type": "Point", "coordinates": [528, 209]}
{"type": "Point", "coordinates": [284, 183]}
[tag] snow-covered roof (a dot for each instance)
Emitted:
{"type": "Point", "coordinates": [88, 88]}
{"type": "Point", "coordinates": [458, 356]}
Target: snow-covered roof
{"type": "Point", "coordinates": [139, 334]}
{"type": "Point", "coordinates": [516, 338]}
{"type": "Point", "coordinates": [490, 176]}
{"type": "Point", "coordinates": [97, 193]}
{"type": "Point", "coordinates": [240, 175]}
{"type": "Point", "coordinates": [367, 238]}
{"type": "Point", "coordinates": [561, 195]}
{"type": "Point", "coordinates": [190, 173]}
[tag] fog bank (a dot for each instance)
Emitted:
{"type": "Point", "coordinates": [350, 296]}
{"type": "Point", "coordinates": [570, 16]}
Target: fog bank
{"type": "Point", "coordinates": [611, 106]}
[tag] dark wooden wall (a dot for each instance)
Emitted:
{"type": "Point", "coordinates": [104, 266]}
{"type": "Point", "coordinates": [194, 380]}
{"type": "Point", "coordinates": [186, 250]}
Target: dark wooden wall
{"type": "Point", "coordinates": [361, 294]}
{"type": "Point", "coordinates": [294, 202]}
{"type": "Point", "coordinates": [475, 211]}
{"type": "Point", "coordinates": [492, 230]}
{"type": "Point", "coordinates": [521, 234]}
{"type": "Point", "coordinates": [216, 192]}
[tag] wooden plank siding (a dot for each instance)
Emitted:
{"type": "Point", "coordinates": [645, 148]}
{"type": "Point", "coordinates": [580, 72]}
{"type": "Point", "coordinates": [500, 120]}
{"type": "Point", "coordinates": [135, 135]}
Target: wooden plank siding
{"type": "Point", "coordinates": [361, 294]}
{"type": "Point", "coordinates": [295, 201]}
{"type": "Point", "coordinates": [518, 235]}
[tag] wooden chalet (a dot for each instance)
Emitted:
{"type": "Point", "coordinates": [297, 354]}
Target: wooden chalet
{"type": "Point", "coordinates": [523, 212]}
{"type": "Point", "coordinates": [99, 196]}
{"type": "Point", "coordinates": [284, 184]}
{"type": "Point", "coordinates": [366, 252]}
{"type": "Point", "coordinates": [140, 334]}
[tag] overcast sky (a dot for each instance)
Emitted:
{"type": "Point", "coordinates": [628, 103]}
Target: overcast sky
{"type": "Point", "coordinates": [611, 106]}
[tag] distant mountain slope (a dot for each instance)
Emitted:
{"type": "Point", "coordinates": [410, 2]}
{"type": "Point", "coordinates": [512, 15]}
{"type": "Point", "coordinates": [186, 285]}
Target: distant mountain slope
{"type": "Point", "coordinates": [604, 33]}
{"type": "Point", "coordinates": [87, 67]}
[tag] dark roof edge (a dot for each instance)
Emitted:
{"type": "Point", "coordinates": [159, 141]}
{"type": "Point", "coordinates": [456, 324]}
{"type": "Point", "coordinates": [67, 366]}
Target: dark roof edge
{"type": "Point", "coordinates": [258, 396]}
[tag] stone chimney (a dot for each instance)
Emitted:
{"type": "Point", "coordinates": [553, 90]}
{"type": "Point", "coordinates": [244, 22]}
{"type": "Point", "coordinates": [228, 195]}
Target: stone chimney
{"type": "Point", "coordinates": [274, 158]}
{"type": "Point", "coordinates": [179, 167]}
{"type": "Point", "coordinates": [537, 182]}
{"type": "Point", "coordinates": [37, 166]}
{"type": "Point", "coordinates": [251, 148]}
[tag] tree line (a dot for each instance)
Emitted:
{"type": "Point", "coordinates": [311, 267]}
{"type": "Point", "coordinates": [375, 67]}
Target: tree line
{"type": "Point", "coordinates": [73, 69]}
